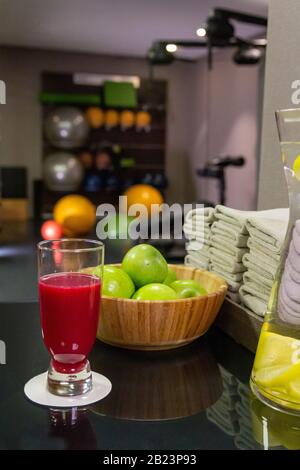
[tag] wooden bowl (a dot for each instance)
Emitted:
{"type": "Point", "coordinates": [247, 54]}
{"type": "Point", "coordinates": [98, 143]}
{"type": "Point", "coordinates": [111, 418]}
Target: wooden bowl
{"type": "Point", "coordinates": [167, 324]}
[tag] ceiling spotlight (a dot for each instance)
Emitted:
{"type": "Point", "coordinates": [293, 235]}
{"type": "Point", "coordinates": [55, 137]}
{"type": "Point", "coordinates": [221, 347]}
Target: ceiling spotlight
{"type": "Point", "coordinates": [201, 32]}
{"type": "Point", "coordinates": [158, 54]}
{"type": "Point", "coordinates": [247, 55]}
{"type": "Point", "coordinates": [171, 47]}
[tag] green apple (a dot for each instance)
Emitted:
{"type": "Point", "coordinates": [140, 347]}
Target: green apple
{"type": "Point", "coordinates": [116, 283]}
{"type": "Point", "coordinates": [155, 291]}
{"type": "Point", "coordinates": [171, 277]}
{"type": "Point", "coordinates": [145, 265]}
{"type": "Point", "coordinates": [188, 288]}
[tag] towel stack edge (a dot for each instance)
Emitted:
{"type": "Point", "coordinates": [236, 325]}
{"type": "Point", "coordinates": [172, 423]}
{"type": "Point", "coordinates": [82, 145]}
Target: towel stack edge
{"type": "Point", "coordinates": [266, 238]}
{"type": "Point", "coordinates": [197, 230]}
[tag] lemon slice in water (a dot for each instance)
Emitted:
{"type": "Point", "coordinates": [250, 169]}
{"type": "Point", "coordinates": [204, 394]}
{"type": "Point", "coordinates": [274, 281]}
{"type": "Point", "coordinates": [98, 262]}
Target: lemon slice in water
{"type": "Point", "coordinates": [294, 388]}
{"type": "Point", "coordinates": [277, 376]}
{"type": "Point", "coordinates": [276, 350]}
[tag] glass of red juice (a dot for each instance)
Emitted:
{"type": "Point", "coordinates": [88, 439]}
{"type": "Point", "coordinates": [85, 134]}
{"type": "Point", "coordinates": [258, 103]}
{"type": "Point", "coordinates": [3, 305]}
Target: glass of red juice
{"type": "Point", "coordinates": [70, 273]}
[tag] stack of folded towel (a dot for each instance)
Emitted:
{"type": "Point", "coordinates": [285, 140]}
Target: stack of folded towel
{"type": "Point", "coordinates": [197, 229]}
{"type": "Point", "coordinates": [228, 241]}
{"type": "Point", "coordinates": [243, 247]}
{"type": "Point", "coordinates": [266, 237]}
{"type": "Point", "coordinates": [239, 238]}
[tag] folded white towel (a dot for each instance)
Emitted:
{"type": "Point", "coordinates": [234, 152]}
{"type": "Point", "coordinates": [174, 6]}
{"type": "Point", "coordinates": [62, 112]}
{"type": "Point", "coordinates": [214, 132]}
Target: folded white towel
{"type": "Point", "coordinates": [207, 213]}
{"type": "Point", "coordinates": [260, 263]}
{"type": "Point", "coordinates": [196, 245]}
{"type": "Point", "coordinates": [197, 225]}
{"type": "Point", "coordinates": [239, 218]}
{"type": "Point", "coordinates": [236, 254]}
{"type": "Point", "coordinates": [193, 232]}
{"type": "Point", "coordinates": [197, 261]}
{"type": "Point", "coordinates": [229, 277]}
{"type": "Point", "coordinates": [229, 264]}
{"type": "Point", "coordinates": [197, 229]}
{"type": "Point", "coordinates": [204, 252]}
{"type": "Point", "coordinates": [253, 276]}
{"type": "Point", "coordinates": [252, 301]}
{"type": "Point", "coordinates": [260, 291]}
{"type": "Point", "coordinates": [231, 232]}
{"type": "Point", "coordinates": [269, 232]}
{"type": "Point", "coordinates": [233, 286]}
{"type": "Point", "coordinates": [226, 245]}
{"type": "Point", "coordinates": [272, 252]}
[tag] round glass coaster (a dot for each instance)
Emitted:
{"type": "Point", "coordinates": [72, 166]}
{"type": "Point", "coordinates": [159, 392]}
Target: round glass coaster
{"type": "Point", "coordinates": [36, 390]}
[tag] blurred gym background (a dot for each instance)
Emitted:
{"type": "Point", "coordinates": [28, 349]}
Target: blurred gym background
{"type": "Point", "coordinates": [103, 96]}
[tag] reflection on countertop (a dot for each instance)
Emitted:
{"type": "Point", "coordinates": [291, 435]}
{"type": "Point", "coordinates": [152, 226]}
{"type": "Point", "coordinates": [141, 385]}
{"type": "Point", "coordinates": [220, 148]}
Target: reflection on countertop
{"type": "Point", "coordinates": [74, 427]}
{"type": "Point", "coordinates": [160, 386]}
{"type": "Point", "coordinates": [274, 429]}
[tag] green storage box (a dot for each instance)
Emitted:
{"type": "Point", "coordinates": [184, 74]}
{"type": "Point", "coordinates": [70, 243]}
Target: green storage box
{"type": "Point", "coordinates": [119, 95]}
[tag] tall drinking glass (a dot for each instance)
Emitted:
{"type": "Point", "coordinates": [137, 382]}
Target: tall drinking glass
{"type": "Point", "coordinates": [70, 273]}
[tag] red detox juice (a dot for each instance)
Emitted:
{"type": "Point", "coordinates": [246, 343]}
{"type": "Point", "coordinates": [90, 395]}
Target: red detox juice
{"type": "Point", "coordinates": [69, 306]}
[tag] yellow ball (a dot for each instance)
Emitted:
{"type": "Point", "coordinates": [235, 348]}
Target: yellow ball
{"type": "Point", "coordinates": [95, 117]}
{"type": "Point", "coordinates": [76, 214]}
{"type": "Point", "coordinates": [296, 167]}
{"type": "Point", "coordinates": [143, 194]}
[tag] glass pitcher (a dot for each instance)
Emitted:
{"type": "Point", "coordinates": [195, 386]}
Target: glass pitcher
{"type": "Point", "coordinates": [275, 377]}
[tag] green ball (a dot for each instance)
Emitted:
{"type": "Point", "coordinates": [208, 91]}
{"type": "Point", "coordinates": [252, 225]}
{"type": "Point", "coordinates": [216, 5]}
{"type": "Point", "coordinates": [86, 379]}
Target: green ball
{"type": "Point", "coordinates": [145, 265]}
{"type": "Point", "coordinates": [155, 291]}
{"type": "Point", "coordinates": [116, 283]}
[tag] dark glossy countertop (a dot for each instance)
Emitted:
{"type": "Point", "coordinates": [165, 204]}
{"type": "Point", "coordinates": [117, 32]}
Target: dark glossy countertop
{"type": "Point", "coordinates": [195, 397]}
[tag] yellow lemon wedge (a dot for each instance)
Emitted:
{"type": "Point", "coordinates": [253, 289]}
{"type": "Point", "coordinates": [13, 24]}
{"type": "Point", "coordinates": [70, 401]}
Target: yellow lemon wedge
{"type": "Point", "coordinates": [294, 388]}
{"type": "Point", "coordinates": [274, 349]}
{"type": "Point", "coordinates": [277, 376]}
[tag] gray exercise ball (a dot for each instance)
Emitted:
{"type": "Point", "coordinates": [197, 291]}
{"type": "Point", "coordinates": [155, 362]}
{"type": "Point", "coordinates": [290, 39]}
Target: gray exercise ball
{"type": "Point", "coordinates": [66, 127]}
{"type": "Point", "coordinates": [62, 172]}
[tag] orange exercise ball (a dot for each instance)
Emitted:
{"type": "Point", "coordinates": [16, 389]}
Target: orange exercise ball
{"type": "Point", "coordinates": [143, 194]}
{"type": "Point", "coordinates": [95, 117]}
{"type": "Point", "coordinates": [112, 118]}
{"type": "Point", "coordinates": [76, 214]}
{"type": "Point", "coordinates": [143, 120]}
{"type": "Point", "coordinates": [127, 119]}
